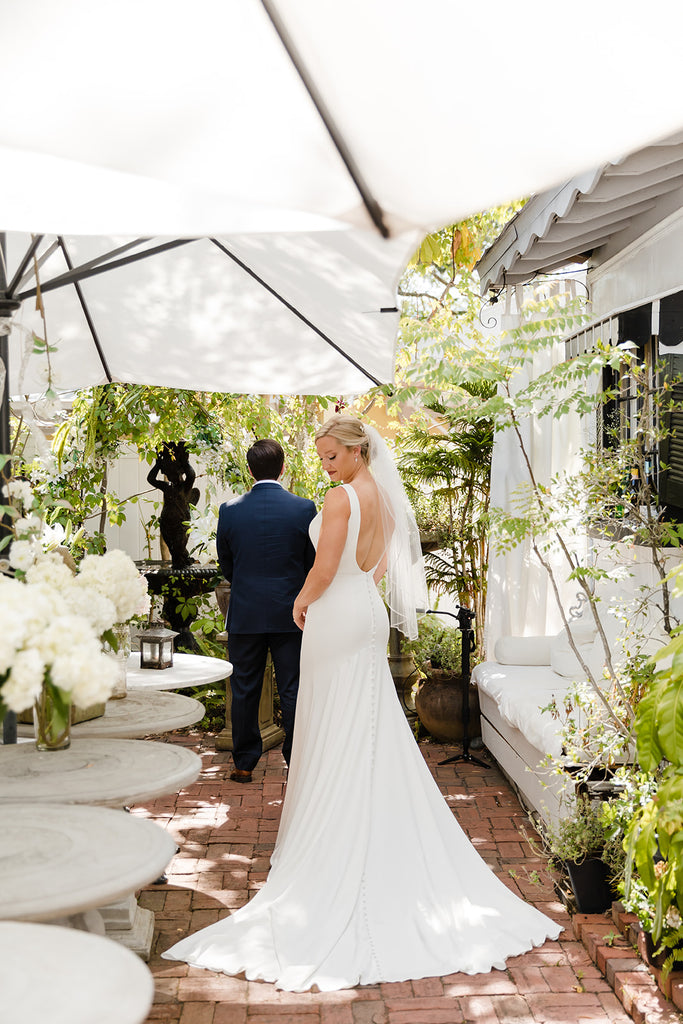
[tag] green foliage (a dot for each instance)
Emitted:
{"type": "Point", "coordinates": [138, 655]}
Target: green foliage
{"type": "Point", "coordinates": [437, 646]}
{"type": "Point", "coordinates": [216, 426]}
{"type": "Point", "coordinates": [654, 836]}
{"type": "Point", "coordinates": [446, 469]}
{"type": "Point", "coordinates": [654, 847]}
{"type": "Point", "coordinates": [659, 719]}
{"type": "Point", "coordinates": [578, 835]}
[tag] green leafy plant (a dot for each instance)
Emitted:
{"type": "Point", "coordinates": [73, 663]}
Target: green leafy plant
{"type": "Point", "coordinates": [447, 475]}
{"type": "Point", "coordinates": [437, 647]}
{"type": "Point", "coordinates": [579, 835]}
{"type": "Point", "coordinates": [654, 837]}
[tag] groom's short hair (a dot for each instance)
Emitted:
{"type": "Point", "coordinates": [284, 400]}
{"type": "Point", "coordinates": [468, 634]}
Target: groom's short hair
{"type": "Point", "coordinates": [266, 459]}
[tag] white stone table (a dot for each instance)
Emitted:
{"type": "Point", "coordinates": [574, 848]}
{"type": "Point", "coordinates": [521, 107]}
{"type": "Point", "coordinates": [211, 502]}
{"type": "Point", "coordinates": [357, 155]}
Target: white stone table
{"type": "Point", "coordinates": [187, 670]}
{"type": "Point", "coordinates": [66, 976]}
{"type": "Point", "coordinates": [95, 771]}
{"type": "Point", "coordinates": [139, 713]}
{"type": "Point", "coordinates": [61, 859]}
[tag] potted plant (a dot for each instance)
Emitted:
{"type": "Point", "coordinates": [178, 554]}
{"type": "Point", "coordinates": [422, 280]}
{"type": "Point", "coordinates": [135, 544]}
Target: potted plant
{"type": "Point", "coordinates": [438, 700]}
{"type": "Point", "coordinates": [577, 844]}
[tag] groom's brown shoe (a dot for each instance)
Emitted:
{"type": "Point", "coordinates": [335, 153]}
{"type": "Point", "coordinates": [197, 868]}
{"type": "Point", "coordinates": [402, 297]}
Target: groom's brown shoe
{"type": "Point", "coordinates": [237, 775]}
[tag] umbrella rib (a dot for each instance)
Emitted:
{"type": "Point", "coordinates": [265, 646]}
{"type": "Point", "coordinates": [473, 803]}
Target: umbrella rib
{"type": "Point", "coordinates": [373, 208]}
{"type": "Point", "coordinates": [28, 256]}
{"type": "Point", "coordinates": [96, 267]}
{"type": "Point", "coordinates": [40, 260]}
{"type": "Point", "coordinates": [86, 313]}
{"type": "Point", "coordinates": [295, 311]}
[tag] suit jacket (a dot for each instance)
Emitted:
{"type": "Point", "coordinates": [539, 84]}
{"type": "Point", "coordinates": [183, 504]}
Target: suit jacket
{"type": "Point", "coordinates": [265, 552]}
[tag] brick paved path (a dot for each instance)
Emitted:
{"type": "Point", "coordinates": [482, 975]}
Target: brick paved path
{"type": "Point", "coordinates": [226, 833]}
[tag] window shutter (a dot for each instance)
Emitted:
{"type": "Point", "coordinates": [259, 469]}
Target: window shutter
{"type": "Point", "coordinates": [671, 447]}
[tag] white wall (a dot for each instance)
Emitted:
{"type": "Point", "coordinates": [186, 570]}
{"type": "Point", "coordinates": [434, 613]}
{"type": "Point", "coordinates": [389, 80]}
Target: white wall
{"type": "Point", "coordinates": [519, 597]}
{"type": "Point", "coordinates": [646, 270]}
{"type": "Point", "coordinates": [128, 476]}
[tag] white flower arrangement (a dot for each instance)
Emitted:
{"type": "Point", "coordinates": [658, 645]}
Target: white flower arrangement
{"type": "Point", "coordinates": [115, 577]}
{"type": "Point", "coordinates": [202, 535]}
{"type": "Point", "coordinates": [54, 621]}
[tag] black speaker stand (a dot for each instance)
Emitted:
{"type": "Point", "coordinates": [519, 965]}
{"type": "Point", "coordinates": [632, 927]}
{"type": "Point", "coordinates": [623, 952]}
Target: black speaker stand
{"type": "Point", "coordinates": [465, 619]}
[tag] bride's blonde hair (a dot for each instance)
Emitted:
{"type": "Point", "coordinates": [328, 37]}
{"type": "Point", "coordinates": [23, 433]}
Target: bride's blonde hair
{"type": "Point", "coordinates": [349, 431]}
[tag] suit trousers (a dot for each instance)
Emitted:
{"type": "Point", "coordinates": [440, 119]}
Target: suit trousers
{"type": "Point", "coordinates": [248, 655]}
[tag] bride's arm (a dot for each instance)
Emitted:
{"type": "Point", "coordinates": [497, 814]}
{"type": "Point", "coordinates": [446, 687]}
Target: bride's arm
{"type": "Point", "coordinates": [333, 530]}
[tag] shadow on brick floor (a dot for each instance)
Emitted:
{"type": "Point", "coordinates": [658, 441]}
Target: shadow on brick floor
{"type": "Point", "coordinates": [226, 833]}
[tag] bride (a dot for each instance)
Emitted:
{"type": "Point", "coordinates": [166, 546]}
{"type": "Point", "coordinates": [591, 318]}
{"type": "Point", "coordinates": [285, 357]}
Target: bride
{"type": "Point", "coordinates": [372, 879]}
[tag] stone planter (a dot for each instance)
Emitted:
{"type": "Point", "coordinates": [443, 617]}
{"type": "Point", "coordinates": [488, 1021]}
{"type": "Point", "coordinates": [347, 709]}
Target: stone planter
{"type": "Point", "coordinates": [77, 714]}
{"type": "Point", "coordinates": [438, 703]}
{"type": "Point", "coordinates": [175, 586]}
{"type": "Point", "coordinates": [404, 673]}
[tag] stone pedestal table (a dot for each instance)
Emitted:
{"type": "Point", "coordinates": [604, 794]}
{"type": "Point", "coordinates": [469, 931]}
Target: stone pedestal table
{"type": "Point", "coordinates": [139, 713]}
{"type": "Point", "coordinates": [104, 771]}
{"type": "Point", "coordinates": [187, 670]}
{"type": "Point", "coordinates": [60, 859]}
{"type": "Point", "coordinates": [65, 976]}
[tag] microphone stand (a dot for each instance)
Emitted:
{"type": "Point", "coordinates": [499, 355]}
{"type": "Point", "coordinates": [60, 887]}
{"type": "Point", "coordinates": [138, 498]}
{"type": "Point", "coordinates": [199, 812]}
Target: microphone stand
{"type": "Point", "coordinates": [465, 619]}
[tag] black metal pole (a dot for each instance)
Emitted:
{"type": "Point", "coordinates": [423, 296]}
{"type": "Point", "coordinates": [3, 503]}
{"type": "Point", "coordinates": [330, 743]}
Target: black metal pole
{"type": "Point", "coordinates": [465, 619]}
{"type": "Point", "coordinates": [7, 307]}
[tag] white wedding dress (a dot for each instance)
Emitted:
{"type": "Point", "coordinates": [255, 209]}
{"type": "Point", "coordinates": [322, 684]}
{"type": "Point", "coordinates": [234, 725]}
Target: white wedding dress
{"type": "Point", "coordinates": [372, 878]}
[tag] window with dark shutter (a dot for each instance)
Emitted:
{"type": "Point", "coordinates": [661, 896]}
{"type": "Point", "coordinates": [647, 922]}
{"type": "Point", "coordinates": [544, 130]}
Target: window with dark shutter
{"type": "Point", "coordinates": [671, 447]}
{"type": "Point", "coordinates": [671, 320]}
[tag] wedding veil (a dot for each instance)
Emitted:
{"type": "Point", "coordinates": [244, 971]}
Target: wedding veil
{"type": "Point", "coordinates": [405, 588]}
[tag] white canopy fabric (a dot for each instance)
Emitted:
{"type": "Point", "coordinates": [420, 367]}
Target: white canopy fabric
{"type": "Point", "coordinates": [193, 317]}
{"type": "Point", "coordinates": [318, 138]}
{"type": "Point", "coordinates": [164, 118]}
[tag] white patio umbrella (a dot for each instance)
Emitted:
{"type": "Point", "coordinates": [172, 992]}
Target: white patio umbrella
{"type": "Point", "coordinates": [306, 313]}
{"type": "Point", "coordinates": [159, 117]}
{"type": "Point", "coordinates": [318, 137]}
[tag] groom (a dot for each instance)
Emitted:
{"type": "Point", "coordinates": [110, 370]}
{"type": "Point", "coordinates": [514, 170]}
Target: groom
{"type": "Point", "coordinates": [265, 552]}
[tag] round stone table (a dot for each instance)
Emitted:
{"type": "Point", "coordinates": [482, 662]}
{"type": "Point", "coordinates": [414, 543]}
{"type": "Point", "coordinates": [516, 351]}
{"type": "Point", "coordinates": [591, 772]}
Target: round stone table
{"type": "Point", "coordinates": [66, 976]}
{"type": "Point", "coordinates": [61, 859]}
{"type": "Point", "coordinates": [95, 771]}
{"type": "Point", "coordinates": [140, 713]}
{"type": "Point", "coordinates": [187, 670]}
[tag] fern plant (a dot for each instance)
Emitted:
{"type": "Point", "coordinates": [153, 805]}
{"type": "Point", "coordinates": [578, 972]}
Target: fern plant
{"type": "Point", "coordinates": [446, 469]}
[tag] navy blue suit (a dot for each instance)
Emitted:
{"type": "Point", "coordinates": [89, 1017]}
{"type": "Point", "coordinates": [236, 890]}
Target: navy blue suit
{"type": "Point", "coordinates": [265, 552]}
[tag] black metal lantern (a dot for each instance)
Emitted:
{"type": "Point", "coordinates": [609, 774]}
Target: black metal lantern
{"type": "Point", "coordinates": [156, 646]}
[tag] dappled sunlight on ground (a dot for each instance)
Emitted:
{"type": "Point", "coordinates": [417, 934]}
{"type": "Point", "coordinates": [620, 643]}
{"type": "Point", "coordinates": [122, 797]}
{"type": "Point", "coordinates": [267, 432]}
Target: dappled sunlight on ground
{"type": "Point", "coordinates": [227, 831]}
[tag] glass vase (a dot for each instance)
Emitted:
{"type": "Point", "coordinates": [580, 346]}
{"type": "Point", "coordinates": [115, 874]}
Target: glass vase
{"type": "Point", "coordinates": [52, 719]}
{"type": "Point", "coordinates": [120, 653]}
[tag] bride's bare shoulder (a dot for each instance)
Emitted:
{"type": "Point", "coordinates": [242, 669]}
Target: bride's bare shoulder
{"type": "Point", "coordinates": [336, 501]}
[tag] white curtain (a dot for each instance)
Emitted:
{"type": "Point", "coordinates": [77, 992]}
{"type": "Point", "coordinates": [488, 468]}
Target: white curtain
{"type": "Point", "coordinates": [520, 600]}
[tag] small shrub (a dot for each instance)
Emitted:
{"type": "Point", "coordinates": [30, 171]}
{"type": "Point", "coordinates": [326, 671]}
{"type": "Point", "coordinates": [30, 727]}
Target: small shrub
{"type": "Point", "coordinates": [437, 646]}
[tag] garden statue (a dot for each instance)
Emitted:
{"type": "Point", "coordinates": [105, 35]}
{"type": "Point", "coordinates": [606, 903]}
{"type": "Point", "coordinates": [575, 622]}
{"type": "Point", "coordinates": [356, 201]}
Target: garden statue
{"type": "Point", "coordinates": [179, 493]}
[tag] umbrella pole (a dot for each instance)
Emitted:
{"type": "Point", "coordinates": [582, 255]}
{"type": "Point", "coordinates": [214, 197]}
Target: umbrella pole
{"type": "Point", "coordinates": [7, 307]}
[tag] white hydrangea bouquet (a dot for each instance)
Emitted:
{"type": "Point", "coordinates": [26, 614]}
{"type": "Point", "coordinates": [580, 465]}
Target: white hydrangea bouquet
{"type": "Point", "coordinates": [55, 620]}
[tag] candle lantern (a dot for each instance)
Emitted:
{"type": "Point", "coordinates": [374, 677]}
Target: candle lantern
{"type": "Point", "coordinates": [156, 646]}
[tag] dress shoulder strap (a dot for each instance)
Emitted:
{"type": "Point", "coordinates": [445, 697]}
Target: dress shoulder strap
{"type": "Point", "coordinates": [354, 501]}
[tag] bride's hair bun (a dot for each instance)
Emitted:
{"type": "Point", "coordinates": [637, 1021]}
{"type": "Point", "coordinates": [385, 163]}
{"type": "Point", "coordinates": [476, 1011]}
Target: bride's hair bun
{"type": "Point", "coordinates": [348, 430]}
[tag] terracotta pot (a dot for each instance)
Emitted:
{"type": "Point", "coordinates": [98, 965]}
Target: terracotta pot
{"type": "Point", "coordinates": [438, 703]}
